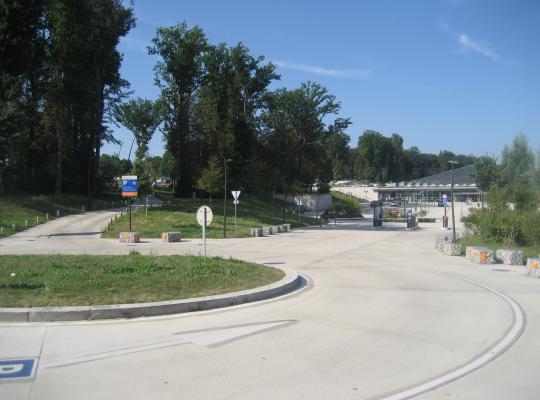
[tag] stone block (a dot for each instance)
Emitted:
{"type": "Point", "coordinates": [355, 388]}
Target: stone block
{"type": "Point", "coordinates": [480, 255]}
{"type": "Point", "coordinates": [256, 232]}
{"type": "Point", "coordinates": [510, 257]}
{"type": "Point", "coordinates": [533, 267]}
{"type": "Point", "coordinates": [452, 249]}
{"type": "Point", "coordinates": [440, 242]}
{"type": "Point", "coordinates": [171, 237]}
{"type": "Point", "coordinates": [129, 237]}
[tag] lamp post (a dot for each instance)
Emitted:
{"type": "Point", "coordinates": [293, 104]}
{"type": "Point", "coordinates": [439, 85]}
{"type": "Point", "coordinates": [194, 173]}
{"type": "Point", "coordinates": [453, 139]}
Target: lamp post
{"type": "Point", "coordinates": [225, 161]}
{"type": "Point", "coordinates": [452, 194]}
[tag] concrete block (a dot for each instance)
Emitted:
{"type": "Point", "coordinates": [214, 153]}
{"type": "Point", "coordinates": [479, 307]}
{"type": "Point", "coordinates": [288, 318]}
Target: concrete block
{"type": "Point", "coordinates": [267, 230]}
{"type": "Point", "coordinates": [480, 255]}
{"type": "Point", "coordinates": [452, 249]}
{"type": "Point", "coordinates": [129, 237]}
{"type": "Point", "coordinates": [171, 237]}
{"type": "Point", "coordinates": [533, 267]}
{"type": "Point", "coordinates": [440, 242]}
{"type": "Point", "coordinates": [287, 227]}
{"type": "Point", "coordinates": [510, 257]}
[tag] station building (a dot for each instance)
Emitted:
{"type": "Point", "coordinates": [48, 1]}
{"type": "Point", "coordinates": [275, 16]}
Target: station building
{"type": "Point", "coordinates": [433, 188]}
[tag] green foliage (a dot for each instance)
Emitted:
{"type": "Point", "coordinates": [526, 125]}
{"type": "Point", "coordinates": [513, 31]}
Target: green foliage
{"type": "Point", "coordinates": [517, 164]}
{"type": "Point", "coordinates": [487, 173]}
{"type": "Point", "coordinates": [343, 204]}
{"type": "Point", "coordinates": [211, 180]}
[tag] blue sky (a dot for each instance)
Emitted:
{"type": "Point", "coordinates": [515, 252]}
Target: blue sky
{"type": "Point", "coordinates": [460, 75]}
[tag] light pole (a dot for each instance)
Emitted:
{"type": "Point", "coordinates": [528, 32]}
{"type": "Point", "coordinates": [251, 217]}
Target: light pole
{"type": "Point", "coordinates": [317, 205]}
{"type": "Point", "coordinates": [452, 194]}
{"type": "Point", "coordinates": [225, 161]}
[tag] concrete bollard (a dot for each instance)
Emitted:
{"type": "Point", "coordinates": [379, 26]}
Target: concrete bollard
{"type": "Point", "coordinates": [509, 257]}
{"type": "Point", "coordinates": [171, 237]}
{"type": "Point", "coordinates": [533, 267]}
{"type": "Point", "coordinates": [129, 237]}
{"type": "Point", "coordinates": [479, 255]}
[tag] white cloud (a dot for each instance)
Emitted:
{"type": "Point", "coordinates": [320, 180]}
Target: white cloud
{"type": "Point", "coordinates": [470, 45]}
{"type": "Point", "coordinates": [338, 73]}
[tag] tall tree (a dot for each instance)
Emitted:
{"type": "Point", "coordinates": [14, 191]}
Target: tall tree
{"type": "Point", "coordinates": [517, 162]}
{"type": "Point", "coordinates": [140, 116]}
{"type": "Point", "coordinates": [178, 74]}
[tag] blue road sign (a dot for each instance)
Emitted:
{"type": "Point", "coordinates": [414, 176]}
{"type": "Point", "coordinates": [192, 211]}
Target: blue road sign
{"type": "Point", "coordinates": [129, 185]}
{"type": "Point", "coordinates": [13, 369]}
{"type": "Point", "coordinates": [445, 202]}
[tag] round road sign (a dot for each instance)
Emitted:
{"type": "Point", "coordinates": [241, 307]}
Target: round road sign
{"type": "Point", "coordinates": [200, 215]}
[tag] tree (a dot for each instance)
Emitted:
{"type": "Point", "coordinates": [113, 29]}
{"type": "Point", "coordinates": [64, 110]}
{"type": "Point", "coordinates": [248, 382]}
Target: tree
{"type": "Point", "coordinates": [178, 74]}
{"type": "Point", "coordinates": [142, 119]}
{"type": "Point", "coordinates": [294, 136]}
{"type": "Point", "coordinates": [487, 173]}
{"type": "Point", "coordinates": [517, 162]}
{"type": "Point", "coordinates": [211, 179]}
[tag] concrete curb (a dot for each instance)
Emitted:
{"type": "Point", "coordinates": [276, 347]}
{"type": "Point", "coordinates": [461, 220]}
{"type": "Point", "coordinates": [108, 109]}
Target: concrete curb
{"type": "Point", "coordinates": [289, 283]}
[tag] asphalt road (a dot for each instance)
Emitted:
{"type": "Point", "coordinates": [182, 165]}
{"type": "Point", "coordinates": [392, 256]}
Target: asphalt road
{"type": "Point", "coordinates": [385, 316]}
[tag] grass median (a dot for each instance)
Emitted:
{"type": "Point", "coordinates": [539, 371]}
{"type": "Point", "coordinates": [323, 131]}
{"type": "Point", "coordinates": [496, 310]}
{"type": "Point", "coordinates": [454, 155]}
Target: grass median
{"type": "Point", "coordinates": [180, 215]}
{"type": "Point", "coordinates": [61, 280]}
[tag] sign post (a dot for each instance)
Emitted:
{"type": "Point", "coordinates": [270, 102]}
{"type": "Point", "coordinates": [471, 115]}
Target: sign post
{"type": "Point", "coordinates": [236, 195]}
{"type": "Point", "coordinates": [204, 218]}
{"type": "Point", "coordinates": [299, 203]}
{"type": "Point", "coordinates": [129, 189]}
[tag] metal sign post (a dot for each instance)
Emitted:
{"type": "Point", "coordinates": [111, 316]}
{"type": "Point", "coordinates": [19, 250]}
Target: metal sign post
{"type": "Point", "coordinates": [236, 195]}
{"type": "Point", "coordinates": [204, 218]}
{"type": "Point", "coordinates": [299, 203]}
{"type": "Point", "coordinates": [129, 189]}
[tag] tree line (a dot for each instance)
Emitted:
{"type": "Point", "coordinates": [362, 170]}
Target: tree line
{"type": "Point", "coordinates": [62, 92]}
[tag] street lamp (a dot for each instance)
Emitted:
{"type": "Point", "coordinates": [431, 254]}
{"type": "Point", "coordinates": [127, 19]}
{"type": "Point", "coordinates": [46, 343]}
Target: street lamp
{"type": "Point", "coordinates": [225, 161]}
{"type": "Point", "coordinates": [452, 194]}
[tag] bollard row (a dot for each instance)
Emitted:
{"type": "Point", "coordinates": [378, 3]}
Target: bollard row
{"type": "Point", "coordinates": [269, 230]}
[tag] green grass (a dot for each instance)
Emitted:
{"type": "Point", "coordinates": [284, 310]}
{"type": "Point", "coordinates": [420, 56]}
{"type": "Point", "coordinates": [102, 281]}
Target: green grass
{"type": "Point", "coordinates": [473, 240]}
{"type": "Point", "coordinates": [345, 205]}
{"type": "Point", "coordinates": [59, 280]}
{"type": "Point", "coordinates": [179, 215]}
{"type": "Point", "coordinates": [21, 209]}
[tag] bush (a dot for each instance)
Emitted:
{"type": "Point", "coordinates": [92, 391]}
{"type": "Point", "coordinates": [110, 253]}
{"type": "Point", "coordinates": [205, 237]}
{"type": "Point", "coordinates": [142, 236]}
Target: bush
{"type": "Point", "coordinates": [506, 226]}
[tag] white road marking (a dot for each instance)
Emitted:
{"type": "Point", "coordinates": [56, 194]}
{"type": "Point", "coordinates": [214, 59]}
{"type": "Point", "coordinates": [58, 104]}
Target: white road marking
{"type": "Point", "coordinates": [207, 337]}
{"type": "Point", "coordinates": [500, 347]}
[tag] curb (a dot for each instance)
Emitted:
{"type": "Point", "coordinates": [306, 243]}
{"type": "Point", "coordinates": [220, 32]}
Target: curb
{"type": "Point", "coordinates": [78, 313]}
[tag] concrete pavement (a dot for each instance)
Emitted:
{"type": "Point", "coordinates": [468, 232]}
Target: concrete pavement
{"type": "Point", "coordinates": [384, 313]}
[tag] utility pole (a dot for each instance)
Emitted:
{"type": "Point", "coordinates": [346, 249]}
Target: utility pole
{"type": "Point", "coordinates": [225, 161]}
{"type": "Point", "coordinates": [452, 194]}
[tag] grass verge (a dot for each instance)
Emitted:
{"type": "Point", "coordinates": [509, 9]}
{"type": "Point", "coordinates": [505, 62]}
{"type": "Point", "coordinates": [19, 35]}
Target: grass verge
{"type": "Point", "coordinates": [179, 215]}
{"type": "Point", "coordinates": [60, 280]}
{"type": "Point", "coordinates": [473, 240]}
{"type": "Point", "coordinates": [17, 212]}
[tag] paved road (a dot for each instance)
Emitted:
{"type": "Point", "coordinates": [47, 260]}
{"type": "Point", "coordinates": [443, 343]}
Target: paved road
{"type": "Point", "coordinates": [384, 313]}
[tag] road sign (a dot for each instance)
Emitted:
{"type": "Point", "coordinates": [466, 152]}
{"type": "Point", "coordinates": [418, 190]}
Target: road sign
{"type": "Point", "coordinates": [445, 202]}
{"type": "Point", "coordinates": [204, 218]}
{"type": "Point", "coordinates": [235, 202]}
{"type": "Point", "coordinates": [299, 201]}
{"type": "Point", "coordinates": [444, 196]}
{"type": "Point", "coordinates": [200, 216]}
{"type": "Point", "coordinates": [236, 194]}
{"type": "Point", "coordinates": [129, 186]}
{"type": "Point", "coordinates": [17, 369]}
